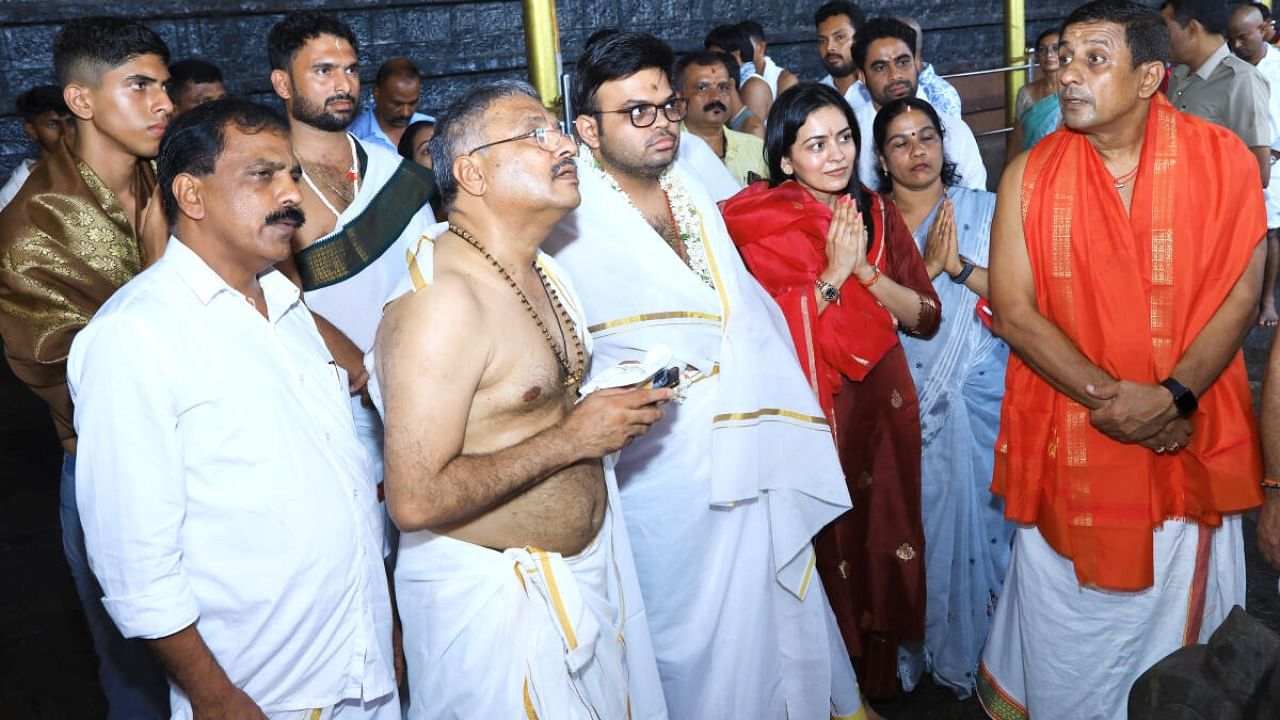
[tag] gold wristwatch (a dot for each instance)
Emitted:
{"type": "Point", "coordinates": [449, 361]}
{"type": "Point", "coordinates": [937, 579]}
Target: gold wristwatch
{"type": "Point", "coordinates": [827, 291]}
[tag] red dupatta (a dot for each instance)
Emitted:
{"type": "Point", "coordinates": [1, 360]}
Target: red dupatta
{"type": "Point", "coordinates": [782, 235]}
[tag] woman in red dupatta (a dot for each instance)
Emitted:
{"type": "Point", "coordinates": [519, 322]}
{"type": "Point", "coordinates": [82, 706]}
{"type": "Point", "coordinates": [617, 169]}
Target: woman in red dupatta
{"type": "Point", "coordinates": [844, 268]}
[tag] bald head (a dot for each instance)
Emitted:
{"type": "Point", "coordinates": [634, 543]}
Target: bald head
{"type": "Point", "coordinates": [395, 95]}
{"type": "Point", "coordinates": [397, 70]}
{"type": "Point", "coordinates": [1247, 33]}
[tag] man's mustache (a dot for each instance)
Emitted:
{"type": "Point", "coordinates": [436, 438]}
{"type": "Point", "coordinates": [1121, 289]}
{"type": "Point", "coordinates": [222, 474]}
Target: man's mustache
{"type": "Point", "coordinates": [339, 98]}
{"type": "Point", "coordinates": [560, 166]}
{"type": "Point", "coordinates": [714, 105]}
{"type": "Point", "coordinates": [290, 213]}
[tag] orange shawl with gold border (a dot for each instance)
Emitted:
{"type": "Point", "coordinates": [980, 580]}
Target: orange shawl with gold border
{"type": "Point", "coordinates": [1132, 291]}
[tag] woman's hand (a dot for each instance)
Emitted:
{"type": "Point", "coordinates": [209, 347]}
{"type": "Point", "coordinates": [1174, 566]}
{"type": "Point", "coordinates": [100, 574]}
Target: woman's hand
{"type": "Point", "coordinates": [941, 251]}
{"type": "Point", "coordinates": [846, 243]}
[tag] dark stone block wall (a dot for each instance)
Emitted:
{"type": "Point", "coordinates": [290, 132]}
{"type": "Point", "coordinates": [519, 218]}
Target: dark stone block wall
{"type": "Point", "coordinates": [462, 43]}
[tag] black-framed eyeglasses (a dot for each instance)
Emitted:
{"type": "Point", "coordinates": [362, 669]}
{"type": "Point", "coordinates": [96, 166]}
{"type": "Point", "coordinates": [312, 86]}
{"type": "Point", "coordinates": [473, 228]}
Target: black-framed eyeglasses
{"type": "Point", "coordinates": [548, 138]}
{"type": "Point", "coordinates": [646, 114]}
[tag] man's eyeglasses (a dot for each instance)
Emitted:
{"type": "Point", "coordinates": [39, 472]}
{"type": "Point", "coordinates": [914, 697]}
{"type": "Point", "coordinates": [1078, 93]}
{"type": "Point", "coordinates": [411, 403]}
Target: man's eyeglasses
{"type": "Point", "coordinates": [646, 114]}
{"type": "Point", "coordinates": [548, 138]}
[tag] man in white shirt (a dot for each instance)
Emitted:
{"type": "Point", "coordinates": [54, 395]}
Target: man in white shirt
{"type": "Point", "coordinates": [884, 53]}
{"type": "Point", "coordinates": [838, 23]}
{"type": "Point", "coordinates": [224, 494]}
{"type": "Point", "coordinates": [779, 78]}
{"type": "Point", "coordinates": [1246, 35]}
{"type": "Point", "coordinates": [45, 119]}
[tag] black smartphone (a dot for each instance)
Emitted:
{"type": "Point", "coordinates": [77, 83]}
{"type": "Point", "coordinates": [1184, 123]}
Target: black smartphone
{"type": "Point", "coordinates": [668, 377]}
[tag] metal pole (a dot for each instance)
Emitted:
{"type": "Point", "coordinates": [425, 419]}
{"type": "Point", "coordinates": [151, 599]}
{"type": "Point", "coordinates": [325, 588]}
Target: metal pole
{"type": "Point", "coordinates": [542, 47]}
{"type": "Point", "coordinates": [1015, 51]}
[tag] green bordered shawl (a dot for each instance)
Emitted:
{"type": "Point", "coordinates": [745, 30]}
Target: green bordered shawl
{"type": "Point", "coordinates": [351, 248]}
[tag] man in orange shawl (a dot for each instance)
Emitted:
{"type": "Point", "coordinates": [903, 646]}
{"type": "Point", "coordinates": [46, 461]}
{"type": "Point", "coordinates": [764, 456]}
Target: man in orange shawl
{"type": "Point", "coordinates": [1126, 266]}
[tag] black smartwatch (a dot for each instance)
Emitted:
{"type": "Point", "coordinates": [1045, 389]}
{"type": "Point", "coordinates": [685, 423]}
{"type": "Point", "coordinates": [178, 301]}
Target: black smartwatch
{"type": "Point", "coordinates": [1183, 399]}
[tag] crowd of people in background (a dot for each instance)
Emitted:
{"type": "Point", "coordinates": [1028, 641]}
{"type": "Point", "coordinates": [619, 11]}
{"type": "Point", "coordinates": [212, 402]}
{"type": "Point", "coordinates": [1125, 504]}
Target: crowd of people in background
{"type": "Point", "coordinates": [737, 394]}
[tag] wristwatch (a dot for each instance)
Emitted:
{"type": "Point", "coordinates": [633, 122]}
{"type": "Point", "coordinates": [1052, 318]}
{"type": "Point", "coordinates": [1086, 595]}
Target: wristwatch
{"type": "Point", "coordinates": [827, 291]}
{"type": "Point", "coordinates": [1183, 399]}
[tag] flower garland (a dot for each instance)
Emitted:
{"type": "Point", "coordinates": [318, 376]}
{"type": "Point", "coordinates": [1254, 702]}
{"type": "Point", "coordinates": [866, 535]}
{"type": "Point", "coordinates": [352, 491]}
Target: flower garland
{"type": "Point", "coordinates": [685, 213]}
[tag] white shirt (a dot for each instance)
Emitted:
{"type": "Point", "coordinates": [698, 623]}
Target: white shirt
{"type": "Point", "coordinates": [220, 482]}
{"type": "Point", "coordinates": [696, 157]}
{"type": "Point", "coordinates": [959, 147]}
{"type": "Point", "coordinates": [856, 95]}
{"type": "Point", "coordinates": [771, 73]}
{"type": "Point", "coordinates": [1269, 67]}
{"type": "Point", "coordinates": [16, 181]}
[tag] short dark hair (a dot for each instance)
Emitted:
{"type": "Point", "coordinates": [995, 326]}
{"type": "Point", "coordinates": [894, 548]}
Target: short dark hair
{"type": "Point", "coordinates": [1213, 15]}
{"type": "Point", "coordinates": [194, 71]}
{"type": "Point", "coordinates": [405, 146]}
{"type": "Point", "coordinates": [597, 36]}
{"type": "Point", "coordinates": [879, 29]}
{"type": "Point", "coordinates": [880, 131]}
{"type": "Point", "coordinates": [195, 139]}
{"type": "Point", "coordinates": [461, 127]}
{"type": "Point", "coordinates": [788, 114]}
{"type": "Point", "coordinates": [706, 58]}
{"type": "Point", "coordinates": [396, 68]}
{"type": "Point", "coordinates": [289, 35]}
{"type": "Point", "coordinates": [1266, 11]}
{"type": "Point", "coordinates": [730, 38]}
{"type": "Point", "coordinates": [614, 56]}
{"type": "Point", "coordinates": [857, 18]}
{"type": "Point", "coordinates": [753, 29]}
{"type": "Point", "coordinates": [85, 48]}
{"type": "Point", "coordinates": [40, 100]}
{"type": "Point", "coordinates": [1145, 31]}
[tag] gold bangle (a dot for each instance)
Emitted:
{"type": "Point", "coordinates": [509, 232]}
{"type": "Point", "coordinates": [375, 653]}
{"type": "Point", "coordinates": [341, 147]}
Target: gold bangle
{"type": "Point", "coordinates": [1270, 484]}
{"type": "Point", "coordinates": [875, 278]}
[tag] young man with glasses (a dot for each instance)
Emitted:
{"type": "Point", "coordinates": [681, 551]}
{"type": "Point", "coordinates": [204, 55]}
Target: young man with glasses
{"type": "Point", "coordinates": [514, 578]}
{"type": "Point", "coordinates": [723, 497]}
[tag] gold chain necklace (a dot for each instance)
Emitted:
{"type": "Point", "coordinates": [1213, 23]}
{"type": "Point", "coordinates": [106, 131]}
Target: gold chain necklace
{"type": "Point", "coordinates": [573, 376]}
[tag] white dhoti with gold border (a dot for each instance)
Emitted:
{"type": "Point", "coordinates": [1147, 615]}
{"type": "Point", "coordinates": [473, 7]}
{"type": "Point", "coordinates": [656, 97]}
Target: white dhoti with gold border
{"type": "Point", "coordinates": [1060, 651]}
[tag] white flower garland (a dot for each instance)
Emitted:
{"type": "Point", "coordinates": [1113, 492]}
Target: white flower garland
{"type": "Point", "coordinates": [688, 221]}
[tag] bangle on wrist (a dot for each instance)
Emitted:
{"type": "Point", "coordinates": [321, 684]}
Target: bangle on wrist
{"type": "Point", "coordinates": [875, 278]}
{"type": "Point", "coordinates": [1269, 484]}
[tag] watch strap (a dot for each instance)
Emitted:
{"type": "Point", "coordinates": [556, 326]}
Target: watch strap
{"type": "Point", "coordinates": [1183, 399]}
{"type": "Point", "coordinates": [966, 269]}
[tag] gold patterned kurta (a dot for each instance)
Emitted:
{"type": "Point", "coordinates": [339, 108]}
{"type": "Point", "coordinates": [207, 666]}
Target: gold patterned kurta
{"type": "Point", "coordinates": [65, 247]}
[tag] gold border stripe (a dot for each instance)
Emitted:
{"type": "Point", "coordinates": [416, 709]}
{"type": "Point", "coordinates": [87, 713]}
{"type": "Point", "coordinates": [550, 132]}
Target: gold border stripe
{"type": "Point", "coordinates": [555, 600]}
{"type": "Point", "coordinates": [808, 573]}
{"type": "Point", "coordinates": [529, 712]}
{"type": "Point", "coordinates": [648, 317]}
{"type": "Point", "coordinates": [765, 412]}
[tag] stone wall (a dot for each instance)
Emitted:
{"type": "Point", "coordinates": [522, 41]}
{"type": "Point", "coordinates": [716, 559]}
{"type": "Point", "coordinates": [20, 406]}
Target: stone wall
{"type": "Point", "coordinates": [462, 43]}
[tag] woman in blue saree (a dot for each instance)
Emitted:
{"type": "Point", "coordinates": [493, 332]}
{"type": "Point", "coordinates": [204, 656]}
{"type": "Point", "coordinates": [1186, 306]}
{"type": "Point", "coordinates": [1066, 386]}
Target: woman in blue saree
{"type": "Point", "coordinates": [959, 376]}
{"type": "Point", "coordinates": [1037, 112]}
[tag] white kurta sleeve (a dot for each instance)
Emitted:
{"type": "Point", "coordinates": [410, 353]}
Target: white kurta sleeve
{"type": "Point", "coordinates": [130, 485]}
{"type": "Point", "coordinates": [962, 149]}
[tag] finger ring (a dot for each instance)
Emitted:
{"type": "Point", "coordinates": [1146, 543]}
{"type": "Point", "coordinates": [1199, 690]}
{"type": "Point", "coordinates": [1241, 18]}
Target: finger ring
{"type": "Point", "coordinates": [1160, 449]}
{"type": "Point", "coordinates": [1174, 446]}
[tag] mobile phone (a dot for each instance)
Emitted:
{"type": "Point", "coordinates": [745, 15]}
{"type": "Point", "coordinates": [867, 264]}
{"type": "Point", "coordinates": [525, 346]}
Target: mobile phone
{"type": "Point", "coordinates": [667, 377]}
